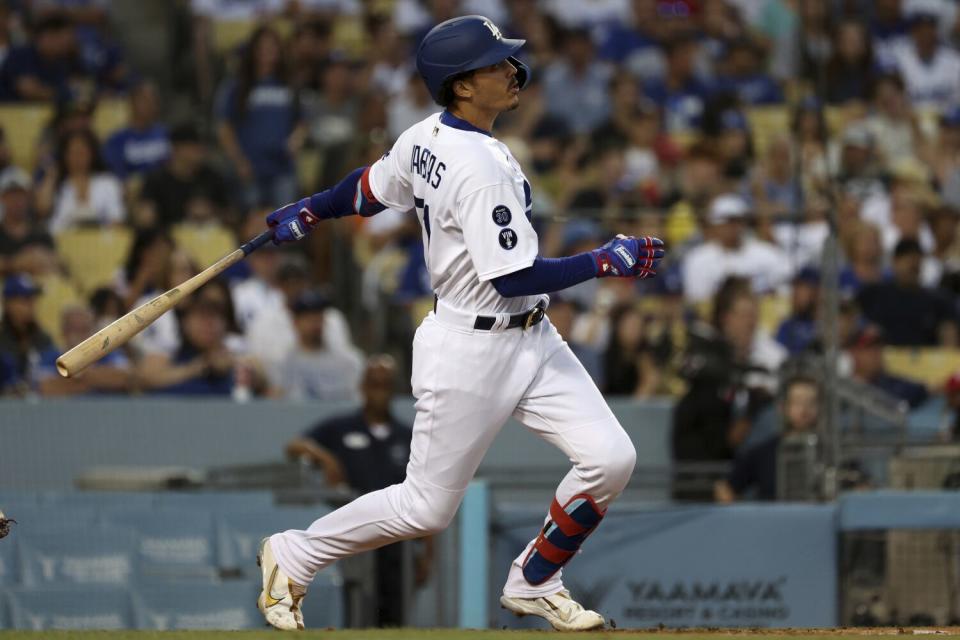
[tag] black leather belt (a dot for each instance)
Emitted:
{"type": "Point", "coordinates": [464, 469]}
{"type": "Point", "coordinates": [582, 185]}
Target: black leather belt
{"type": "Point", "coordinates": [525, 320]}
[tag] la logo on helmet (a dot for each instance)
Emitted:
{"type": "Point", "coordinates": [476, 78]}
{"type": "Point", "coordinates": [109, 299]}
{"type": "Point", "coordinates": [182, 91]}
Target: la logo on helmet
{"type": "Point", "coordinates": [493, 29]}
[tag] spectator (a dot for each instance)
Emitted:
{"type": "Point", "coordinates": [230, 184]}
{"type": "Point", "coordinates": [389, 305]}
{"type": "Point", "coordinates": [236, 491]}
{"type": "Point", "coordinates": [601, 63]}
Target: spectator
{"type": "Point", "coordinates": [630, 367]}
{"type": "Point", "coordinates": [48, 68]}
{"type": "Point", "coordinates": [23, 344]}
{"type": "Point", "coordinates": [145, 271]}
{"type": "Point", "coordinates": [680, 93]}
{"type": "Point", "coordinates": [332, 116]}
{"type": "Point", "coordinates": [700, 181]}
{"type": "Point", "coordinates": [744, 77]}
{"type": "Point", "coordinates": [735, 148]}
{"type": "Point", "coordinates": [802, 239]}
{"type": "Point", "coordinates": [409, 107]}
{"type": "Point", "coordinates": [731, 370]}
{"type": "Point", "coordinates": [887, 29]}
{"type": "Point", "coordinates": [109, 374]}
{"type": "Point", "coordinates": [564, 314]}
{"type": "Point", "coordinates": [203, 365]}
{"type": "Point", "coordinates": [941, 266]}
{"type": "Point", "coordinates": [107, 306]}
{"type": "Point", "coordinates": [18, 224]}
{"type": "Point", "coordinates": [944, 156]}
{"type": "Point", "coordinates": [144, 144]}
{"type": "Point", "coordinates": [859, 169]}
{"type": "Point", "coordinates": [951, 425]}
{"type": "Point", "coordinates": [634, 45]}
{"type": "Point", "coordinates": [258, 123]}
{"type": "Point", "coordinates": [798, 331]}
{"type": "Point", "coordinates": [864, 266]}
{"type": "Point", "coordinates": [908, 314]}
{"type": "Point", "coordinates": [366, 451]}
{"type": "Point", "coordinates": [754, 472]}
{"type": "Point", "coordinates": [892, 124]}
{"type": "Point", "coordinates": [310, 369]}
{"type": "Point", "coordinates": [929, 68]}
{"type": "Point", "coordinates": [850, 70]}
{"type": "Point", "coordinates": [866, 352]}
{"type": "Point", "coordinates": [575, 84]}
{"type": "Point", "coordinates": [80, 191]}
{"type": "Point", "coordinates": [776, 191]}
{"type": "Point", "coordinates": [729, 252]}
{"type": "Point", "coordinates": [258, 294]}
{"type": "Point", "coordinates": [309, 49]}
{"type": "Point", "coordinates": [168, 190]}
{"type": "Point", "coordinates": [810, 135]}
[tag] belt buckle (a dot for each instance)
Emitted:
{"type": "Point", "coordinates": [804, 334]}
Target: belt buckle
{"type": "Point", "coordinates": [535, 316]}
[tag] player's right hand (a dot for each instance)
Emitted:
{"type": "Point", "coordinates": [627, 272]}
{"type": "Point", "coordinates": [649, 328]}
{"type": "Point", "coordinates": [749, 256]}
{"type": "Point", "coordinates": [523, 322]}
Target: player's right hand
{"type": "Point", "coordinates": [629, 257]}
{"type": "Point", "coordinates": [292, 222]}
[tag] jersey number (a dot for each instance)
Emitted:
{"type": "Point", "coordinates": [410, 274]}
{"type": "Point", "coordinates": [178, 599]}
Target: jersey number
{"type": "Point", "coordinates": [424, 208]}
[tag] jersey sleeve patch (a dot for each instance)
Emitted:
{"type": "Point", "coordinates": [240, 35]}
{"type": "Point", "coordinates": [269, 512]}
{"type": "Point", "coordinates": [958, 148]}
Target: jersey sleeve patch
{"type": "Point", "coordinates": [502, 215]}
{"type": "Point", "coordinates": [508, 239]}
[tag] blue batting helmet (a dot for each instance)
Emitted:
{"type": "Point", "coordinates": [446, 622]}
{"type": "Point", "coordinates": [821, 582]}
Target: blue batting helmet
{"type": "Point", "coordinates": [464, 44]}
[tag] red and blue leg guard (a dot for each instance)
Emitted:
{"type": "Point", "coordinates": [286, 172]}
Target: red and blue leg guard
{"type": "Point", "coordinates": [561, 537]}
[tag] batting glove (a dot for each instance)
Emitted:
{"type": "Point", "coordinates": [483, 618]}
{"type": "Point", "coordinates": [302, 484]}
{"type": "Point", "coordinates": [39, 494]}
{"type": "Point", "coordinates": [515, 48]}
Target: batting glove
{"type": "Point", "coordinates": [629, 257]}
{"type": "Point", "coordinates": [292, 222]}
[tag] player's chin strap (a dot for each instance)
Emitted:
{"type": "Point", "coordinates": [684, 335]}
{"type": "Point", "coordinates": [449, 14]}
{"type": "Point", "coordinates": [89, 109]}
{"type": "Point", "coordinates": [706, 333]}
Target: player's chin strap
{"type": "Point", "coordinates": [561, 537]}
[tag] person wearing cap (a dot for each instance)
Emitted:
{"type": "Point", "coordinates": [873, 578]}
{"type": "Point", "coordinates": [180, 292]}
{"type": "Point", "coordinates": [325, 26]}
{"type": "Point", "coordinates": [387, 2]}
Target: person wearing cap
{"type": "Point", "coordinates": [859, 171]}
{"type": "Point", "coordinates": [168, 190]}
{"type": "Point", "coordinates": [311, 370]}
{"type": "Point", "coordinates": [929, 68]}
{"type": "Point", "coordinates": [866, 353]}
{"type": "Point", "coordinates": [48, 67]}
{"type": "Point", "coordinates": [798, 331]}
{"type": "Point", "coordinates": [18, 228]}
{"type": "Point", "coordinates": [23, 343]}
{"type": "Point", "coordinates": [729, 251]}
{"type": "Point", "coordinates": [908, 314]}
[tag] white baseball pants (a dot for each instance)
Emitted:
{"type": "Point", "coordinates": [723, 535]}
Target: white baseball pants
{"type": "Point", "coordinates": [467, 383]}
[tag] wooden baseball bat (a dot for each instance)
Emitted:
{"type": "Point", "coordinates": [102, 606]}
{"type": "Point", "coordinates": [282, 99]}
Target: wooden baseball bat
{"type": "Point", "coordinates": [118, 333]}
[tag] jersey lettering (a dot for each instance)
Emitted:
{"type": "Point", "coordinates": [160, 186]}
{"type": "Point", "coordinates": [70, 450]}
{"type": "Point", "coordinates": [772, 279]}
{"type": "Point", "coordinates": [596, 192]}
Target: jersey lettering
{"type": "Point", "coordinates": [427, 166]}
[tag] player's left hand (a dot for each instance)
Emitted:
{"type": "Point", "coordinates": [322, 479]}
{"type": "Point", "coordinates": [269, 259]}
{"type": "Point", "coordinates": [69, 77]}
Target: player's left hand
{"type": "Point", "coordinates": [629, 257]}
{"type": "Point", "coordinates": [292, 222]}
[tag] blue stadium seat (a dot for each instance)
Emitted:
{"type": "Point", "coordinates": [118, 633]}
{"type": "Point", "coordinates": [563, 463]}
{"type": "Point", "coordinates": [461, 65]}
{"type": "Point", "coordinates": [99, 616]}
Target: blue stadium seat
{"type": "Point", "coordinates": [324, 604]}
{"type": "Point", "coordinates": [215, 500]}
{"type": "Point", "coordinates": [197, 606]}
{"type": "Point", "coordinates": [70, 608]}
{"type": "Point", "coordinates": [77, 555]}
{"type": "Point", "coordinates": [9, 565]}
{"type": "Point", "coordinates": [239, 533]}
{"type": "Point", "coordinates": [5, 622]}
{"type": "Point", "coordinates": [171, 543]}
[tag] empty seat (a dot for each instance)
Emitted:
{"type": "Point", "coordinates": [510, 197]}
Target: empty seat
{"type": "Point", "coordinates": [44, 608]}
{"type": "Point", "coordinates": [204, 244]}
{"type": "Point", "coordinates": [93, 256]}
{"type": "Point", "coordinates": [22, 126]}
{"type": "Point", "coordinates": [111, 114]}
{"type": "Point", "coordinates": [931, 366]}
{"type": "Point", "coordinates": [90, 555]}
{"type": "Point", "coordinates": [171, 543]}
{"type": "Point", "coordinates": [239, 533]}
{"type": "Point", "coordinates": [197, 606]}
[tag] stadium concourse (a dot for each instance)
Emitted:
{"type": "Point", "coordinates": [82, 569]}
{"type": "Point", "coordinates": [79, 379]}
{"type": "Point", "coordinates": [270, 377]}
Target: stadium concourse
{"type": "Point", "coordinates": [800, 344]}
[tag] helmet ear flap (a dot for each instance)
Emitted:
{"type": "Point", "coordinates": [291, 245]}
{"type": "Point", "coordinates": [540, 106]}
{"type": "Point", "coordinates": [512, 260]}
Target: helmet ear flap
{"type": "Point", "coordinates": [523, 71]}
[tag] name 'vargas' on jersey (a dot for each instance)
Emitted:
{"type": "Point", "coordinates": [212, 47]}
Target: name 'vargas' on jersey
{"type": "Point", "coordinates": [470, 197]}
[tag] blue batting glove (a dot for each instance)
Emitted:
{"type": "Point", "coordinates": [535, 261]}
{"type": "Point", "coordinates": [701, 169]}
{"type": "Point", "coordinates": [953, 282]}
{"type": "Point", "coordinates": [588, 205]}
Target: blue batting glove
{"type": "Point", "coordinates": [292, 222]}
{"type": "Point", "coordinates": [629, 257]}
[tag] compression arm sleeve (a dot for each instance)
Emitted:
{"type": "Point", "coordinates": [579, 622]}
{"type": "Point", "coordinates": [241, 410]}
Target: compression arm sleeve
{"type": "Point", "coordinates": [350, 196]}
{"type": "Point", "coordinates": [546, 275]}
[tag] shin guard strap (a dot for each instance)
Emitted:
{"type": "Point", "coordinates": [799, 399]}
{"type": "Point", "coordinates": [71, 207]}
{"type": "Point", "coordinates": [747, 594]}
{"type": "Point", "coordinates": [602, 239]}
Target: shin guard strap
{"type": "Point", "coordinates": [561, 537]}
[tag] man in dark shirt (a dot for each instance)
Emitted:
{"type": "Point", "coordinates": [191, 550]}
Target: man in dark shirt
{"type": "Point", "coordinates": [369, 450]}
{"type": "Point", "coordinates": [866, 351]}
{"type": "Point", "coordinates": [49, 67]}
{"type": "Point", "coordinates": [756, 469]}
{"type": "Point", "coordinates": [167, 191]}
{"type": "Point", "coordinates": [908, 314]}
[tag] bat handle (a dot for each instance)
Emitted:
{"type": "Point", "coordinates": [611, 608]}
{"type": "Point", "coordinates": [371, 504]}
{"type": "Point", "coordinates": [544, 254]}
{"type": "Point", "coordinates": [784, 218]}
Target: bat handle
{"type": "Point", "coordinates": [257, 242]}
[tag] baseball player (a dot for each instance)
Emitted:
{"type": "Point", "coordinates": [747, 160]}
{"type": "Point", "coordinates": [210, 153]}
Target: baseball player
{"type": "Point", "coordinates": [487, 351]}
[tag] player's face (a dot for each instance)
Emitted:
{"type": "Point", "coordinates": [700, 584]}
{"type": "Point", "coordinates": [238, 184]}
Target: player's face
{"type": "Point", "coordinates": [495, 88]}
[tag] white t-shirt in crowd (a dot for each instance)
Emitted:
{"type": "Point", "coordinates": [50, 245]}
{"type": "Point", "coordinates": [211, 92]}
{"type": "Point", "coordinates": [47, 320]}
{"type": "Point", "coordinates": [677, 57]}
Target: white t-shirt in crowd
{"type": "Point", "coordinates": [707, 266]}
{"type": "Point", "coordinates": [103, 204]}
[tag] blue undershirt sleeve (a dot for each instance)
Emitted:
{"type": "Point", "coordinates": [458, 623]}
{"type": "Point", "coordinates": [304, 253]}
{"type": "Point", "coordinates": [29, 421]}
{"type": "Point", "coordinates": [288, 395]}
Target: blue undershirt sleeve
{"type": "Point", "coordinates": [546, 275]}
{"type": "Point", "coordinates": [348, 197]}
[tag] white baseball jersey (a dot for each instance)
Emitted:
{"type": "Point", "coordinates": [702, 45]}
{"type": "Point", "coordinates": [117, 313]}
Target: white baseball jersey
{"type": "Point", "coordinates": [473, 203]}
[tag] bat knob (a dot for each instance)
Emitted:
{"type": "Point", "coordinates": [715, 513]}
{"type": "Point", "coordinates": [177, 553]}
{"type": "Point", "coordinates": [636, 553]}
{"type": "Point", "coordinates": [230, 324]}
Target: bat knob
{"type": "Point", "coordinates": [62, 368]}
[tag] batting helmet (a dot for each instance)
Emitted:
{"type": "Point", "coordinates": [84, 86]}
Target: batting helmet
{"type": "Point", "coordinates": [464, 44]}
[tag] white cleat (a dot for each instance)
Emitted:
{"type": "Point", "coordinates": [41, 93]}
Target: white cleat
{"type": "Point", "coordinates": [560, 610]}
{"type": "Point", "coordinates": [279, 601]}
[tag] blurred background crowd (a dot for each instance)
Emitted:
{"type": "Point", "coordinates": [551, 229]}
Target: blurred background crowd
{"type": "Point", "coordinates": [745, 133]}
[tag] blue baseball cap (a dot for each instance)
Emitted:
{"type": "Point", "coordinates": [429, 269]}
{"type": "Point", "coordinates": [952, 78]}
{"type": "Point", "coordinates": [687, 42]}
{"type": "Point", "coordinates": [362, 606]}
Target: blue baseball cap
{"type": "Point", "coordinates": [20, 285]}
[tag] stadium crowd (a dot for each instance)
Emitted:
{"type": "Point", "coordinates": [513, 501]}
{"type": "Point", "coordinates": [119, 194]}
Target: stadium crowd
{"type": "Point", "coordinates": [745, 133]}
